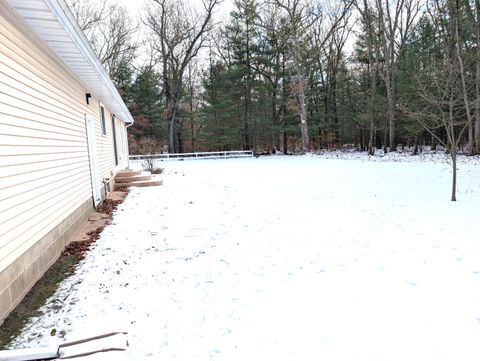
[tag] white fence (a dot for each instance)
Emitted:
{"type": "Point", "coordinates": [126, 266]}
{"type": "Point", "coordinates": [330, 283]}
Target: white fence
{"type": "Point", "coordinates": [198, 155]}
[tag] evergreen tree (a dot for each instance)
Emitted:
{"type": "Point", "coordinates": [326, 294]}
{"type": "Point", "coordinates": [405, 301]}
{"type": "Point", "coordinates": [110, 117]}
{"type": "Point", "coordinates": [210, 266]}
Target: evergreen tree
{"type": "Point", "coordinates": [243, 34]}
{"type": "Point", "coordinates": [223, 122]}
{"type": "Point", "coordinates": [146, 106]}
{"type": "Point", "coordinates": [123, 80]}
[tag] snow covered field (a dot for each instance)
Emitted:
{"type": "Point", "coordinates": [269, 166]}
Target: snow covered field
{"type": "Point", "coordinates": [284, 258]}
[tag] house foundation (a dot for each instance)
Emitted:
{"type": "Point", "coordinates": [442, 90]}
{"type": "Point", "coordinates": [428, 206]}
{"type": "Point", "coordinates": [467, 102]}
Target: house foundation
{"type": "Point", "coordinates": [19, 277]}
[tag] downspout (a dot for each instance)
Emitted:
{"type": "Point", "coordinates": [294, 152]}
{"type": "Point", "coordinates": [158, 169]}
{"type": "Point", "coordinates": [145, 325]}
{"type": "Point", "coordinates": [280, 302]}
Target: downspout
{"type": "Point", "coordinates": [126, 142]}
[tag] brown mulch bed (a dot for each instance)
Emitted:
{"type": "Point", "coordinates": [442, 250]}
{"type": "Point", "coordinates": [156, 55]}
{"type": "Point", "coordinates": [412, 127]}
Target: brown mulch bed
{"type": "Point", "coordinates": [80, 248]}
{"type": "Point", "coordinates": [120, 188]}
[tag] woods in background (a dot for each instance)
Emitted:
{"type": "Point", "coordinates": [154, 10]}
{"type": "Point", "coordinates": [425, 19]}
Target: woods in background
{"type": "Point", "coordinates": [295, 75]}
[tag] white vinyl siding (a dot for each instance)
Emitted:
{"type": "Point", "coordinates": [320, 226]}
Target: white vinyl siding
{"type": "Point", "coordinates": [44, 162]}
{"type": "Point", "coordinates": [44, 173]}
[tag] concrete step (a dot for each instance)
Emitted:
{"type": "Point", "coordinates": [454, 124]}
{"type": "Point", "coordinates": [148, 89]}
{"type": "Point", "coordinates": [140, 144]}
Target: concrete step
{"type": "Point", "coordinates": [143, 176]}
{"type": "Point", "coordinates": [128, 173]}
{"type": "Point", "coordinates": [155, 180]}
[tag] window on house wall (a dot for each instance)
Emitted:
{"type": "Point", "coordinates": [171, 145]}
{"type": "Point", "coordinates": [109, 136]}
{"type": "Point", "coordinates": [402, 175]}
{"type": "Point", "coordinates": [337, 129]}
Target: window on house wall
{"type": "Point", "coordinates": [102, 119]}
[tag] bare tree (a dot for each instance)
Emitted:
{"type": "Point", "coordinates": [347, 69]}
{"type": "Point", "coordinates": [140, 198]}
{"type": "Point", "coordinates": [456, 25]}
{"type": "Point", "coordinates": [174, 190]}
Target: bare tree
{"type": "Point", "coordinates": [440, 90]}
{"type": "Point", "coordinates": [476, 22]}
{"type": "Point", "coordinates": [300, 17]}
{"type": "Point", "coordinates": [395, 21]}
{"type": "Point", "coordinates": [472, 11]}
{"type": "Point", "coordinates": [109, 30]}
{"type": "Point", "coordinates": [443, 108]}
{"type": "Point", "coordinates": [461, 64]}
{"type": "Point", "coordinates": [329, 38]}
{"type": "Point", "coordinates": [273, 71]}
{"type": "Point", "coordinates": [192, 104]}
{"type": "Point", "coordinates": [115, 40]}
{"type": "Point", "coordinates": [89, 14]}
{"type": "Point", "coordinates": [178, 34]}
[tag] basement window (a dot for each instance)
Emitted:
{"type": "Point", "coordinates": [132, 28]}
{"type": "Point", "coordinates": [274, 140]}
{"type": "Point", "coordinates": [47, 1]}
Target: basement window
{"type": "Point", "coordinates": [102, 120]}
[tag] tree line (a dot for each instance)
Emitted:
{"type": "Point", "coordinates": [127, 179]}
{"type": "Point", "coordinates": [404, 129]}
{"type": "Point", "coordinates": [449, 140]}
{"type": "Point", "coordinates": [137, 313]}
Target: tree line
{"type": "Point", "coordinates": [295, 75]}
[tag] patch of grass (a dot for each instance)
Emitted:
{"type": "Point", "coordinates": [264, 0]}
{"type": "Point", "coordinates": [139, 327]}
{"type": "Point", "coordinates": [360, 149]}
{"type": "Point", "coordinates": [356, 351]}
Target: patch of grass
{"type": "Point", "coordinates": [36, 298]}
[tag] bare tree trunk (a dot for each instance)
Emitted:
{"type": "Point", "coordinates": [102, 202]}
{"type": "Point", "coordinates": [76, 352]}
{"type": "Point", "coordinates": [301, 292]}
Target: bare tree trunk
{"type": "Point", "coordinates": [303, 122]}
{"type": "Point", "coordinates": [276, 135]}
{"type": "Point", "coordinates": [391, 114]}
{"type": "Point", "coordinates": [371, 145]}
{"type": "Point", "coordinates": [394, 26]}
{"type": "Point", "coordinates": [387, 36]}
{"type": "Point", "coordinates": [477, 103]}
{"type": "Point", "coordinates": [246, 121]}
{"type": "Point", "coordinates": [453, 147]}
{"type": "Point", "coordinates": [192, 126]}
{"type": "Point", "coordinates": [296, 12]}
{"type": "Point", "coordinates": [453, 155]}
{"type": "Point", "coordinates": [434, 144]}
{"type": "Point", "coordinates": [283, 111]}
{"type": "Point", "coordinates": [472, 11]}
{"type": "Point", "coordinates": [372, 130]}
{"type": "Point", "coordinates": [301, 97]}
{"type": "Point", "coordinates": [180, 146]}
{"type": "Point", "coordinates": [373, 56]}
{"type": "Point", "coordinates": [171, 128]}
{"type": "Point", "coordinates": [476, 145]}
{"type": "Point", "coordinates": [415, 147]}
{"type": "Point", "coordinates": [385, 138]}
{"type": "Point", "coordinates": [248, 93]}
{"type": "Point", "coordinates": [464, 82]}
{"type": "Point", "coordinates": [192, 136]}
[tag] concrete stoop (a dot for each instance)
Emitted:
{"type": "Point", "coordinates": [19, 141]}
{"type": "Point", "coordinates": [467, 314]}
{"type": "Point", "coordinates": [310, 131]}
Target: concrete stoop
{"type": "Point", "coordinates": [135, 178]}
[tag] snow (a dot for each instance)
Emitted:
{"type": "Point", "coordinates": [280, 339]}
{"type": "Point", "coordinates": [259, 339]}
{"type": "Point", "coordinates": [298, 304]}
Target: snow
{"type": "Point", "coordinates": [284, 258]}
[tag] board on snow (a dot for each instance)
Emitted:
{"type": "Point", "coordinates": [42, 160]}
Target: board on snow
{"type": "Point", "coordinates": [115, 341]}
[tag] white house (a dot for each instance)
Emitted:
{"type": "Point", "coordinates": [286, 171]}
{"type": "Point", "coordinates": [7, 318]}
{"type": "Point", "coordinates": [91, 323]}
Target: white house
{"type": "Point", "coordinates": [62, 138]}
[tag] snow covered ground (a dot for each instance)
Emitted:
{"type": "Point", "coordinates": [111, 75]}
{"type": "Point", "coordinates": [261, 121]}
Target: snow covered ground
{"type": "Point", "coordinates": [284, 258]}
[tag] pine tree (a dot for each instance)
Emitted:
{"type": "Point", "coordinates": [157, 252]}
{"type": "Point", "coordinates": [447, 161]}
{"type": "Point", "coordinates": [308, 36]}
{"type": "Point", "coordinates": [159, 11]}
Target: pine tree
{"type": "Point", "coordinates": [243, 34]}
{"type": "Point", "coordinates": [222, 109]}
{"type": "Point", "coordinates": [146, 106]}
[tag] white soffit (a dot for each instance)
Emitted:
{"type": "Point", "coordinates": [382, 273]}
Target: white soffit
{"type": "Point", "coordinates": [53, 21]}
